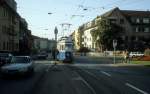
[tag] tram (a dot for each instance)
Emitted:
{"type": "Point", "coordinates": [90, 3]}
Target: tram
{"type": "Point", "coordinates": [65, 48]}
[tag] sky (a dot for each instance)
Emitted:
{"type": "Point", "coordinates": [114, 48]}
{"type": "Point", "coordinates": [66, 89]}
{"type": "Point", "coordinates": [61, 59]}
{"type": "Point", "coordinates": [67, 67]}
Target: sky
{"type": "Point", "coordinates": [42, 24]}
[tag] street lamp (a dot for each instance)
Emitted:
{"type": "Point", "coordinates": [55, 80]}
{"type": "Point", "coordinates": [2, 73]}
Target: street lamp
{"type": "Point", "coordinates": [50, 13]}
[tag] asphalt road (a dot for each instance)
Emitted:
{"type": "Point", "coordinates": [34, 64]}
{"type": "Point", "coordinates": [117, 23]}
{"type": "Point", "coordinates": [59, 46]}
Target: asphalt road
{"type": "Point", "coordinates": [97, 60]}
{"type": "Point", "coordinates": [92, 78]}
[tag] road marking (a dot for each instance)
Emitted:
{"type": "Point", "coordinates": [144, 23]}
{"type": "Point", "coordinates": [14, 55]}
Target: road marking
{"type": "Point", "coordinates": [90, 73]}
{"type": "Point", "coordinates": [105, 73]}
{"type": "Point", "coordinates": [86, 83]}
{"type": "Point", "coordinates": [135, 88]}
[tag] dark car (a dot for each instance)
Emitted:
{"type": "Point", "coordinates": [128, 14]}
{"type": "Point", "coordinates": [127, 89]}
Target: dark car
{"type": "Point", "coordinates": [5, 58]}
{"type": "Point", "coordinates": [42, 56]}
{"type": "Point", "coordinates": [69, 57]}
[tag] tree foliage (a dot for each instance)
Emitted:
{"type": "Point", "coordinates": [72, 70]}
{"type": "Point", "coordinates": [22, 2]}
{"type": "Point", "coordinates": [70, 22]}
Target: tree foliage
{"type": "Point", "coordinates": [147, 52]}
{"type": "Point", "coordinates": [105, 33]}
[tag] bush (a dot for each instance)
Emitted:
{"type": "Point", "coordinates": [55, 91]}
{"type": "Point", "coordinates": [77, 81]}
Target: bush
{"type": "Point", "coordinates": [147, 52]}
{"type": "Point", "coordinates": [34, 51]}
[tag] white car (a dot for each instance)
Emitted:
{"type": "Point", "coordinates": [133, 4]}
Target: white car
{"type": "Point", "coordinates": [135, 54]}
{"type": "Point", "coordinates": [18, 65]}
{"type": "Point", "coordinates": [5, 58]}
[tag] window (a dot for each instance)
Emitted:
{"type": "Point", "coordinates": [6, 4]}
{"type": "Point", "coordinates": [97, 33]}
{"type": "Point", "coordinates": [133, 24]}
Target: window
{"type": "Point", "coordinates": [121, 21]}
{"type": "Point", "coordinates": [142, 29]}
{"type": "Point", "coordinates": [133, 38]}
{"type": "Point", "coordinates": [0, 46]}
{"type": "Point", "coordinates": [136, 29]}
{"type": "Point", "coordinates": [4, 46]}
{"type": "Point", "coordinates": [113, 20]}
{"type": "Point", "coordinates": [136, 38]}
{"type": "Point", "coordinates": [133, 20]}
{"type": "Point", "coordinates": [146, 29]}
{"type": "Point", "coordinates": [7, 46]}
{"type": "Point", "coordinates": [137, 20]}
{"type": "Point", "coordinates": [17, 46]}
{"type": "Point", "coordinates": [126, 38]}
{"type": "Point", "coordinates": [123, 37]}
{"type": "Point", "coordinates": [145, 20]}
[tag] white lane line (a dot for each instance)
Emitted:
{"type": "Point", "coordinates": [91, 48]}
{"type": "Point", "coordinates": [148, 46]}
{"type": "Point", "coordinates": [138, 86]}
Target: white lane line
{"type": "Point", "coordinates": [86, 83]}
{"type": "Point", "coordinates": [135, 88]}
{"type": "Point", "coordinates": [105, 73]}
{"type": "Point", "coordinates": [90, 73]}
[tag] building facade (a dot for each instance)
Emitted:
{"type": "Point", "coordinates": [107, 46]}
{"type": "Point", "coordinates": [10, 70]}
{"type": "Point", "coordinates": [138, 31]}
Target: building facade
{"type": "Point", "coordinates": [9, 26]}
{"type": "Point", "coordinates": [43, 44]}
{"type": "Point", "coordinates": [25, 38]}
{"type": "Point", "coordinates": [135, 34]}
{"type": "Point", "coordinates": [75, 40]}
{"type": "Point", "coordinates": [88, 41]}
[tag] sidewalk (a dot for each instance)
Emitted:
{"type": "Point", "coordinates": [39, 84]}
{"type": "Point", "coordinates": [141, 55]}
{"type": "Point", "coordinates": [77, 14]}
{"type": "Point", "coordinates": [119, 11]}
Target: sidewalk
{"type": "Point", "coordinates": [133, 64]}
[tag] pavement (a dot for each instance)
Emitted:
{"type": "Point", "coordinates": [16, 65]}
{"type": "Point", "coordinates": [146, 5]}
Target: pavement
{"type": "Point", "coordinates": [84, 76]}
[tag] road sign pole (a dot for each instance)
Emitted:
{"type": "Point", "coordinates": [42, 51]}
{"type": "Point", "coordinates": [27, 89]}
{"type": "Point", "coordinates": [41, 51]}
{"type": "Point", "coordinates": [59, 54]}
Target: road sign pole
{"type": "Point", "coordinates": [114, 46]}
{"type": "Point", "coordinates": [114, 55]}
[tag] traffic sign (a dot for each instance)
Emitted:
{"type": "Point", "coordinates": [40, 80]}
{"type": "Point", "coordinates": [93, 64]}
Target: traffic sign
{"type": "Point", "coordinates": [114, 43]}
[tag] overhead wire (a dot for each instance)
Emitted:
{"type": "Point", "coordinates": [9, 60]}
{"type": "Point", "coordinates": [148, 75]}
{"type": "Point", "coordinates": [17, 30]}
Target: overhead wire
{"type": "Point", "coordinates": [78, 8]}
{"type": "Point", "coordinates": [115, 4]}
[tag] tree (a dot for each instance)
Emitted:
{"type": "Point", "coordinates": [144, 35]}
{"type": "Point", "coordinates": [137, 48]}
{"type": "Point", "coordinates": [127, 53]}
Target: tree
{"type": "Point", "coordinates": [105, 33]}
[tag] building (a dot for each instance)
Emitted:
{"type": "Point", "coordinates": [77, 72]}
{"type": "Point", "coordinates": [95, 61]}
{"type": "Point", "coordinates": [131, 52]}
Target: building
{"type": "Point", "coordinates": [25, 38]}
{"type": "Point", "coordinates": [88, 41]}
{"type": "Point", "coordinates": [9, 26]}
{"type": "Point", "coordinates": [79, 36]}
{"type": "Point", "coordinates": [43, 44]}
{"type": "Point", "coordinates": [74, 36]}
{"type": "Point", "coordinates": [135, 34]}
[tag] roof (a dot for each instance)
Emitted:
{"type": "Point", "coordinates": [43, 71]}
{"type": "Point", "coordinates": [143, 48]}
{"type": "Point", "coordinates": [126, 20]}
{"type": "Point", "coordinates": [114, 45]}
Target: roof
{"type": "Point", "coordinates": [136, 13]}
{"type": "Point", "coordinates": [128, 13]}
{"type": "Point", "coordinates": [35, 37]}
{"type": "Point", "coordinates": [109, 12]}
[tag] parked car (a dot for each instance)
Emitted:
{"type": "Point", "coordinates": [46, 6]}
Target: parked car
{"type": "Point", "coordinates": [136, 54]}
{"type": "Point", "coordinates": [65, 56]}
{"type": "Point", "coordinates": [5, 58]}
{"type": "Point", "coordinates": [42, 55]}
{"type": "Point", "coordinates": [18, 65]}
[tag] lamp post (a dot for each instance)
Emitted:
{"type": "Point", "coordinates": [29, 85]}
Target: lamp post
{"type": "Point", "coordinates": [55, 32]}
